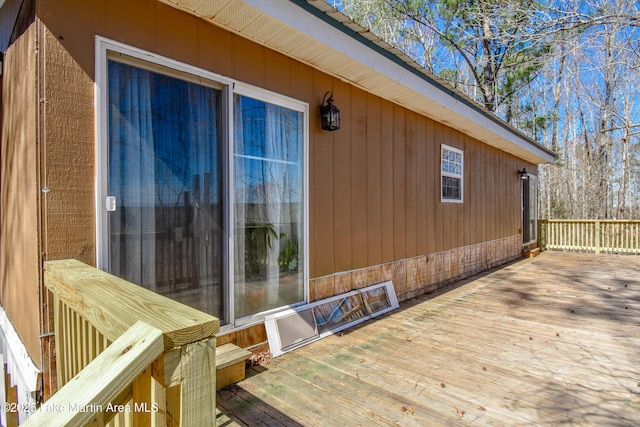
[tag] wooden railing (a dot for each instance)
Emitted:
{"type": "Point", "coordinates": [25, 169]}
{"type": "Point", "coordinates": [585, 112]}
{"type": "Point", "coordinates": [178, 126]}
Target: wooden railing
{"type": "Point", "coordinates": [99, 319]}
{"type": "Point", "coordinates": [599, 236]}
{"type": "Point", "coordinates": [93, 394]}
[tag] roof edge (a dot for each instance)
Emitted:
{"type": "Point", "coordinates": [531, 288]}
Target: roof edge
{"type": "Point", "coordinates": [413, 67]}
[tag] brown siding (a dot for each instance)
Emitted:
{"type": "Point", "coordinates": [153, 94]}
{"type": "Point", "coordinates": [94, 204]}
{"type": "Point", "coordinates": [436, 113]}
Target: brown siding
{"type": "Point", "coordinates": [387, 181]}
{"type": "Point", "coordinates": [69, 157]}
{"type": "Point", "coordinates": [19, 258]}
{"type": "Point", "coordinates": [358, 131]}
{"type": "Point", "coordinates": [373, 180]}
{"type": "Point", "coordinates": [342, 185]}
{"type": "Point", "coordinates": [374, 184]}
{"type": "Point", "coordinates": [322, 201]}
{"type": "Point", "coordinates": [412, 183]}
{"type": "Point", "coordinates": [421, 182]}
{"type": "Point", "coordinates": [399, 182]}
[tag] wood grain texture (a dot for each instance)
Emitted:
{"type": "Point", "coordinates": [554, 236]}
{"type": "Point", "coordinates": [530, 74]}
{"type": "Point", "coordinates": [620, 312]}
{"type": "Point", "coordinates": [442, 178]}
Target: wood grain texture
{"type": "Point", "coordinates": [19, 246]}
{"type": "Point", "coordinates": [198, 383]}
{"type": "Point", "coordinates": [545, 341]}
{"type": "Point", "coordinates": [90, 392]}
{"type": "Point", "coordinates": [112, 305]}
{"type": "Point", "coordinates": [374, 184]}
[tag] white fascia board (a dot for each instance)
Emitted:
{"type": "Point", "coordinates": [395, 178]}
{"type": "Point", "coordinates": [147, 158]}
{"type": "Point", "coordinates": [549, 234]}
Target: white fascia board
{"type": "Point", "coordinates": [301, 20]}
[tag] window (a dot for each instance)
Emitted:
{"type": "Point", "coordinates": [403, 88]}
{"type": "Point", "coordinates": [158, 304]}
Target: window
{"type": "Point", "coordinates": [451, 174]}
{"type": "Point", "coordinates": [209, 182]}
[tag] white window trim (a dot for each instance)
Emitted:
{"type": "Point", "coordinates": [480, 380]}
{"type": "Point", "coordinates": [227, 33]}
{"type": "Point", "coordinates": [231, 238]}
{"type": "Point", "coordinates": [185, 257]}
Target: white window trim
{"type": "Point", "coordinates": [444, 147]}
{"type": "Point", "coordinates": [103, 49]}
{"type": "Point", "coordinates": [261, 94]}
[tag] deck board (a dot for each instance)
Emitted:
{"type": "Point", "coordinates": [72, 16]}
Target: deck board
{"type": "Point", "coordinates": [551, 340]}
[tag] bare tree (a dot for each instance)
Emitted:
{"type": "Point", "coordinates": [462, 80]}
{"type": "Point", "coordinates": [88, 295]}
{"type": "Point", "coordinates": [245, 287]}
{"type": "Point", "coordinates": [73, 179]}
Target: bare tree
{"type": "Point", "coordinates": [564, 72]}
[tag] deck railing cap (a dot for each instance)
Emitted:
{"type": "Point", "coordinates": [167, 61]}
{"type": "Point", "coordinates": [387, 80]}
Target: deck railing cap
{"type": "Point", "coordinates": [113, 304]}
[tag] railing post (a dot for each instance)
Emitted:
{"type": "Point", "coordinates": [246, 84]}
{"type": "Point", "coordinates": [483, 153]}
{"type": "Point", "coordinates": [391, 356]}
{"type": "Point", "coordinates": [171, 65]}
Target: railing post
{"type": "Point", "coordinates": [143, 403]}
{"type": "Point", "coordinates": [198, 387]}
{"type": "Point", "coordinates": [597, 236]}
{"type": "Point", "coordinates": [188, 375]}
{"type": "Point", "coordinates": [541, 236]}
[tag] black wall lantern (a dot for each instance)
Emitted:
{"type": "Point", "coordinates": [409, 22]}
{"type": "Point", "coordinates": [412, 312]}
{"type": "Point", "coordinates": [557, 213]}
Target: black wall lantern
{"type": "Point", "coordinates": [330, 113]}
{"type": "Point", "coordinates": [523, 174]}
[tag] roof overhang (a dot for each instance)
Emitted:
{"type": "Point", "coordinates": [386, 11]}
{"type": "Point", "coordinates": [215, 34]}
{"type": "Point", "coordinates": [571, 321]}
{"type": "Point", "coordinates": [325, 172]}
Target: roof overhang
{"type": "Point", "coordinates": [316, 34]}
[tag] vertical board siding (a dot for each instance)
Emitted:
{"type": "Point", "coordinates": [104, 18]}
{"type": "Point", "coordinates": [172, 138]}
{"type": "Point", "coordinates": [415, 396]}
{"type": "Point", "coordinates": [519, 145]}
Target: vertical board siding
{"type": "Point", "coordinates": [411, 178]}
{"type": "Point", "coordinates": [69, 156]}
{"type": "Point", "coordinates": [321, 177]}
{"type": "Point", "coordinates": [19, 251]}
{"type": "Point", "coordinates": [374, 181]}
{"type": "Point", "coordinates": [399, 183]}
{"type": "Point", "coordinates": [342, 182]}
{"type": "Point", "coordinates": [387, 180]}
{"type": "Point", "coordinates": [278, 71]}
{"type": "Point", "coordinates": [374, 184]}
{"type": "Point", "coordinates": [358, 131]}
{"type": "Point", "coordinates": [176, 34]}
{"type": "Point", "coordinates": [437, 205]}
{"type": "Point", "coordinates": [213, 52]}
{"type": "Point", "coordinates": [431, 184]}
{"type": "Point", "coordinates": [421, 194]}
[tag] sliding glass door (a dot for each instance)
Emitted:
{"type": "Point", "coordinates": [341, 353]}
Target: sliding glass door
{"type": "Point", "coordinates": [268, 206]}
{"type": "Point", "coordinates": [204, 199]}
{"type": "Point", "coordinates": [165, 230]}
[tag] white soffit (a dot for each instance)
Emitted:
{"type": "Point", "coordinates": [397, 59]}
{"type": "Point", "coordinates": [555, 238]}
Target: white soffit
{"type": "Point", "coordinates": [287, 27]}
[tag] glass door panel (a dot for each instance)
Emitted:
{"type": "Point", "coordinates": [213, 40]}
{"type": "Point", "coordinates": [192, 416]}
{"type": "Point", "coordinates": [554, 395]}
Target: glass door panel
{"type": "Point", "coordinates": [165, 174]}
{"type": "Point", "coordinates": [268, 206]}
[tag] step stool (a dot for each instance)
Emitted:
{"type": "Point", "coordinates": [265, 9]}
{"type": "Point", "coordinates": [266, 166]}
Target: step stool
{"type": "Point", "coordinates": [230, 364]}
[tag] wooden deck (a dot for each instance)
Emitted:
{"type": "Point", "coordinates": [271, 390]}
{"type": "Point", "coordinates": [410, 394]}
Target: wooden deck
{"type": "Point", "coordinates": [553, 340]}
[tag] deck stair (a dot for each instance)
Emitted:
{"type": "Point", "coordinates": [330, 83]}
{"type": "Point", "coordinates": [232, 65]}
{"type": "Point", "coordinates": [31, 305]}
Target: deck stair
{"type": "Point", "coordinates": [230, 364]}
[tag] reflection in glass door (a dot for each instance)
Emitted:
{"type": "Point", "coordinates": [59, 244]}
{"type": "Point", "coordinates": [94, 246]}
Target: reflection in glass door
{"type": "Point", "coordinates": [164, 171]}
{"type": "Point", "coordinates": [205, 184]}
{"type": "Point", "coordinates": [268, 205]}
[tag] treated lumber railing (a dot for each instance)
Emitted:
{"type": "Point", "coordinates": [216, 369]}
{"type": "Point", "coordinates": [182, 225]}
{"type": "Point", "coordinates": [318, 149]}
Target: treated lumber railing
{"type": "Point", "coordinates": [599, 236]}
{"type": "Point", "coordinates": [92, 311]}
{"type": "Point", "coordinates": [87, 398]}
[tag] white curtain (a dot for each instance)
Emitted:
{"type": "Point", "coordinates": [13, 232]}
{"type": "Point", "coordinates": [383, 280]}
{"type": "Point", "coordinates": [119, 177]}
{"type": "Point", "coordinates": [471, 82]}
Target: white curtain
{"type": "Point", "coordinates": [164, 170]}
{"type": "Point", "coordinates": [268, 176]}
{"type": "Point", "coordinates": [131, 160]}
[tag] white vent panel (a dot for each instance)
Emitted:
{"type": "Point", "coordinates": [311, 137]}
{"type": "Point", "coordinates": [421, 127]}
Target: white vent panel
{"type": "Point", "coordinates": [296, 327]}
